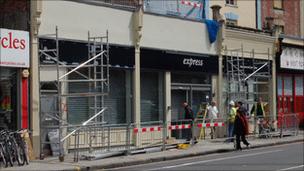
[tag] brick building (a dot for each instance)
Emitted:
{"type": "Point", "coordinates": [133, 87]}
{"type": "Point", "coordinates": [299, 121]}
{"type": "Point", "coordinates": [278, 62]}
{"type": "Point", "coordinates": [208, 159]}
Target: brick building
{"type": "Point", "coordinates": [285, 14]}
{"type": "Point", "coordinates": [284, 18]}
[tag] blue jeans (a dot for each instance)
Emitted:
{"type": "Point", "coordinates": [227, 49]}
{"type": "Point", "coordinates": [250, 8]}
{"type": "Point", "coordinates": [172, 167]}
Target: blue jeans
{"type": "Point", "coordinates": [230, 131]}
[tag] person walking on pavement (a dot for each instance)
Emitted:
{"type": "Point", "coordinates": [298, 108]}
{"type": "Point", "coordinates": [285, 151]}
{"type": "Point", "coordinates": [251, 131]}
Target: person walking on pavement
{"type": "Point", "coordinates": [189, 115]}
{"type": "Point", "coordinates": [212, 114]}
{"type": "Point", "coordinates": [241, 128]}
{"type": "Point", "coordinates": [231, 118]}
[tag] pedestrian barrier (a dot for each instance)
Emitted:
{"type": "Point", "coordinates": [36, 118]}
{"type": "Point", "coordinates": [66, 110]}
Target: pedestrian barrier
{"type": "Point", "coordinates": [207, 125]}
{"type": "Point", "coordinates": [148, 129]}
{"type": "Point", "coordinates": [150, 134]}
{"type": "Point", "coordinates": [288, 124]}
{"type": "Point", "coordinates": [94, 139]}
{"type": "Point", "coordinates": [202, 125]}
{"type": "Point", "coordinates": [181, 129]}
{"type": "Point", "coordinates": [182, 126]}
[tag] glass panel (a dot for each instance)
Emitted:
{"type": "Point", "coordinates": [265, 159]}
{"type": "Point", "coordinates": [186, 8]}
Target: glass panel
{"type": "Point", "coordinates": [299, 86]}
{"type": "Point", "coordinates": [190, 78]}
{"type": "Point", "coordinates": [288, 86]}
{"type": "Point", "coordinates": [151, 96]}
{"type": "Point", "coordinates": [8, 98]}
{"type": "Point", "coordinates": [280, 86]}
{"type": "Point", "coordinates": [116, 100]}
{"type": "Point", "coordinates": [177, 99]}
{"type": "Point", "coordinates": [278, 4]}
{"type": "Point", "coordinates": [190, 9]}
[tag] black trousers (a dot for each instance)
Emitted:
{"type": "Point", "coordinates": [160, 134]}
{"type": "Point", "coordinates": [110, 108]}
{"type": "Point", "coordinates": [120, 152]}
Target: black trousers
{"type": "Point", "coordinates": [240, 137]}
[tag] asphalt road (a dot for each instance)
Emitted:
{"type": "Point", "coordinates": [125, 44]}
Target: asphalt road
{"type": "Point", "coordinates": [281, 157]}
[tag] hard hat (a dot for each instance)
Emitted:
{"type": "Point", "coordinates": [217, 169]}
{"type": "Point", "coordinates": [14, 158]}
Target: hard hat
{"type": "Point", "coordinates": [231, 103]}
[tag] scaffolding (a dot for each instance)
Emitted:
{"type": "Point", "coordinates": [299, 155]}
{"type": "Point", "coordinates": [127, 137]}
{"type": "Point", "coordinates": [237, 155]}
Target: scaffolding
{"type": "Point", "coordinates": [94, 73]}
{"type": "Point", "coordinates": [247, 78]}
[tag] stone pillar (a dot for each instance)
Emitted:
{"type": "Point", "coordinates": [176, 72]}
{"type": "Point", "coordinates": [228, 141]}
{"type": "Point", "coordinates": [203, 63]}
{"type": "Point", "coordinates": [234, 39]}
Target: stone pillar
{"type": "Point", "coordinates": [168, 107]}
{"type": "Point", "coordinates": [35, 9]}
{"type": "Point", "coordinates": [219, 97]}
{"type": "Point", "coordinates": [218, 17]}
{"type": "Point", "coordinates": [138, 17]}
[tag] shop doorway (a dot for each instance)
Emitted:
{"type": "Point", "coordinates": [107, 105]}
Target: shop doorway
{"type": "Point", "coordinates": [195, 95]}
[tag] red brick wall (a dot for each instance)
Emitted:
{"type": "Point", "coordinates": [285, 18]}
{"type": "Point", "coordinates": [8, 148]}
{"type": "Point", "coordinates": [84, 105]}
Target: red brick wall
{"type": "Point", "coordinates": [290, 15]}
{"type": "Point", "coordinates": [14, 14]}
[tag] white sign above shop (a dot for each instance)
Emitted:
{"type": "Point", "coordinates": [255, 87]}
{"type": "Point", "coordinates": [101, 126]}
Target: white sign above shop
{"type": "Point", "coordinates": [292, 58]}
{"type": "Point", "coordinates": [14, 48]}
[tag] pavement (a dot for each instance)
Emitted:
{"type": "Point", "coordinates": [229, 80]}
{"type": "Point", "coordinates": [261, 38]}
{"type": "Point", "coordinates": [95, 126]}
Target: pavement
{"type": "Point", "coordinates": [203, 147]}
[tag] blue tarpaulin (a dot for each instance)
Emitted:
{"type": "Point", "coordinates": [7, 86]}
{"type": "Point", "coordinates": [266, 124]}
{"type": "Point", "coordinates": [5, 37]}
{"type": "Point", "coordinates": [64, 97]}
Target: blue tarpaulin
{"type": "Point", "coordinates": [212, 27]}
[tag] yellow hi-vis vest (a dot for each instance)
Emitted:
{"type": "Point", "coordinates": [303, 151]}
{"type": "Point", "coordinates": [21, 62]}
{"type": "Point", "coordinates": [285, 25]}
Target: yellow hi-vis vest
{"type": "Point", "coordinates": [256, 108]}
{"type": "Point", "coordinates": [232, 114]}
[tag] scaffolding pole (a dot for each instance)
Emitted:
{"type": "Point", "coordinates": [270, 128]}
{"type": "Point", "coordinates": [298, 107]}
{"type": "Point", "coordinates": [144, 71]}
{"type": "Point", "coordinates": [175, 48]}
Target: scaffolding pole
{"type": "Point", "coordinates": [97, 78]}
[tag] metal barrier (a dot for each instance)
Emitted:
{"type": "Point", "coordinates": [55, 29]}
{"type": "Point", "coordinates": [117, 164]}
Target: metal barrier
{"type": "Point", "coordinates": [202, 125]}
{"type": "Point", "coordinates": [188, 129]}
{"type": "Point", "coordinates": [150, 133]}
{"type": "Point", "coordinates": [288, 124]}
{"type": "Point", "coordinates": [98, 138]}
{"type": "Point", "coordinates": [263, 127]}
{"type": "Point", "coordinates": [181, 129]}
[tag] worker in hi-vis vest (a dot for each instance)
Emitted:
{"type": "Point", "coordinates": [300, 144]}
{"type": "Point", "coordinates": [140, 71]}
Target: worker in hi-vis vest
{"type": "Point", "coordinates": [258, 109]}
{"type": "Point", "coordinates": [258, 112]}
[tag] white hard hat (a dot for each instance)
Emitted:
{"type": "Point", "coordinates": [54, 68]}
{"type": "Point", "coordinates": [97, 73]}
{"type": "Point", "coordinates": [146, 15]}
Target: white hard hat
{"type": "Point", "coordinates": [231, 103]}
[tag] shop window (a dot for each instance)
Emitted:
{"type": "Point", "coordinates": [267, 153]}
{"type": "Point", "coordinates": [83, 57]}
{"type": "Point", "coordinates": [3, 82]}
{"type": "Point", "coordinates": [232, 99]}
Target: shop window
{"type": "Point", "coordinates": [280, 86]}
{"type": "Point", "coordinates": [151, 96]}
{"type": "Point", "coordinates": [78, 108]}
{"type": "Point", "coordinates": [299, 94]}
{"type": "Point", "coordinates": [288, 86]}
{"type": "Point", "coordinates": [299, 86]}
{"type": "Point", "coordinates": [8, 98]}
{"type": "Point", "coordinates": [278, 4]}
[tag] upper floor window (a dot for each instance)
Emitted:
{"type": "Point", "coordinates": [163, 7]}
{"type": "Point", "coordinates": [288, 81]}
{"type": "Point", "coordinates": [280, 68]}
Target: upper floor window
{"type": "Point", "coordinates": [231, 2]}
{"type": "Point", "coordinates": [278, 4]}
{"type": "Point", "coordinates": [231, 22]}
{"type": "Point", "coordinates": [280, 29]}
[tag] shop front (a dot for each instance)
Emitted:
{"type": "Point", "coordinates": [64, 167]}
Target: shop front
{"type": "Point", "coordinates": [14, 64]}
{"type": "Point", "coordinates": [290, 81]}
{"type": "Point", "coordinates": [190, 77]}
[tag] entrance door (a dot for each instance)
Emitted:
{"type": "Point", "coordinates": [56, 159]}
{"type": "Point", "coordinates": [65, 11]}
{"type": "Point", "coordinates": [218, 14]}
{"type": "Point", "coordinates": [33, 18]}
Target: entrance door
{"type": "Point", "coordinates": [194, 95]}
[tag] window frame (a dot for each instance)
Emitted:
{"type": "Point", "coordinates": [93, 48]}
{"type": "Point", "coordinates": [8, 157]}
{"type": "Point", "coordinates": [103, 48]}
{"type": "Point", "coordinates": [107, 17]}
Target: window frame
{"type": "Point", "coordinates": [231, 22]}
{"type": "Point", "coordinates": [231, 2]}
{"type": "Point", "coordinates": [278, 4]}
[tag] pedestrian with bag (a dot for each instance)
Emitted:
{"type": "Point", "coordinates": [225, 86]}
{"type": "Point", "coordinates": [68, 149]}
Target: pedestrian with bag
{"type": "Point", "coordinates": [241, 128]}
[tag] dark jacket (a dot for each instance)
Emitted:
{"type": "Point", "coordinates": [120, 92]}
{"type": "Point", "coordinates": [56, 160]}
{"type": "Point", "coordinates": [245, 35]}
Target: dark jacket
{"type": "Point", "coordinates": [188, 113]}
{"type": "Point", "coordinates": [240, 124]}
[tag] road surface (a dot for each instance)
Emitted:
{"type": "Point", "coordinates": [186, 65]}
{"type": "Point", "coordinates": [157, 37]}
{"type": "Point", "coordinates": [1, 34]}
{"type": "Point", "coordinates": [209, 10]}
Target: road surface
{"type": "Point", "coordinates": [281, 157]}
